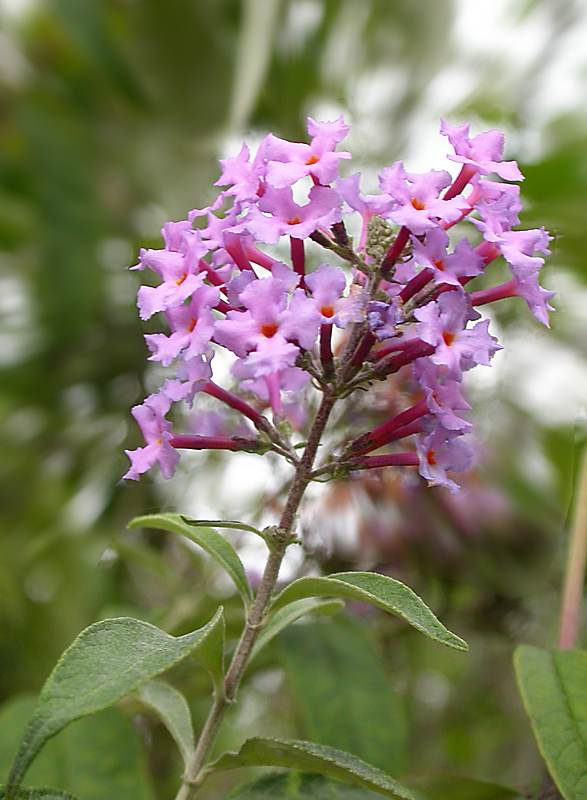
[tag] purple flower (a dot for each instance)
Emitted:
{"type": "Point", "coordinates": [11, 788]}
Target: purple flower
{"type": "Point", "coordinates": [440, 452]}
{"type": "Point", "coordinates": [484, 152]}
{"type": "Point", "coordinates": [150, 417]}
{"type": "Point", "coordinates": [443, 325]}
{"type": "Point", "coordinates": [415, 198]}
{"type": "Point", "coordinates": [383, 319]}
{"type": "Point", "coordinates": [244, 179]}
{"type": "Point", "coordinates": [448, 268]}
{"type": "Point", "coordinates": [444, 396]}
{"type": "Point", "coordinates": [327, 285]}
{"type": "Point", "coordinates": [192, 327]}
{"type": "Point", "coordinates": [192, 376]}
{"type": "Point", "coordinates": [179, 270]}
{"type": "Point", "coordinates": [288, 162]}
{"type": "Point", "coordinates": [277, 215]}
{"type": "Point", "coordinates": [537, 297]}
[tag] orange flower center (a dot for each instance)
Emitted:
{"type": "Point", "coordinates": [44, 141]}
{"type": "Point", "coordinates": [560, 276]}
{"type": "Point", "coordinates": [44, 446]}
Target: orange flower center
{"type": "Point", "coordinates": [439, 264]}
{"type": "Point", "coordinates": [431, 458]}
{"type": "Point", "coordinates": [312, 160]}
{"type": "Point", "coordinates": [327, 311]}
{"type": "Point", "coordinates": [269, 329]}
{"type": "Point", "coordinates": [181, 279]}
{"type": "Point", "coordinates": [418, 204]}
{"type": "Point", "coordinates": [192, 325]}
{"type": "Point", "coordinates": [448, 337]}
{"type": "Point", "coordinates": [294, 221]}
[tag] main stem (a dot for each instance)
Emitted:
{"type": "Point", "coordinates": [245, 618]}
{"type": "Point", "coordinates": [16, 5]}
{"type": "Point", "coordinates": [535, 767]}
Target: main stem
{"type": "Point", "coordinates": [575, 572]}
{"type": "Point", "coordinates": [257, 611]}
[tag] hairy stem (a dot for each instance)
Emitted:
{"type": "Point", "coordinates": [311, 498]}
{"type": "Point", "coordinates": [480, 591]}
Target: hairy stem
{"type": "Point", "coordinates": [254, 623]}
{"type": "Point", "coordinates": [576, 560]}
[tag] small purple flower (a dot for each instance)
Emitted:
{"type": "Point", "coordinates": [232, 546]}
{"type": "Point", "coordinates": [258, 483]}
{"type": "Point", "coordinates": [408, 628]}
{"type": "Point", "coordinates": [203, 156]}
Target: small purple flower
{"type": "Point", "coordinates": [150, 417]}
{"type": "Point", "coordinates": [277, 215]}
{"type": "Point", "coordinates": [415, 198]}
{"type": "Point", "coordinates": [443, 325]}
{"type": "Point", "coordinates": [327, 285]}
{"type": "Point", "coordinates": [464, 262]}
{"type": "Point", "coordinates": [484, 152]}
{"type": "Point", "coordinates": [444, 396]}
{"type": "Point", "coordinates": [192, 327]}
{"type": "Point", "coordinates": [439, 453]}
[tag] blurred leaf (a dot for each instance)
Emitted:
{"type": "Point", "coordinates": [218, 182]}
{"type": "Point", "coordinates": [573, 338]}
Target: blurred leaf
{"type": "Point", "coordinates": [336, 674]}
{"type": "Point", "coordinates": [552, 685]}
{"type": "Point", "coordinates": [378, 590]}
{"type": "Point", "coordinates": [290, 613]}
{"type": "Point", "coordinates": [172, 709]}
{"type": "Point", "coordinates": [448, 787]}
{"type": "Point", "coordinates": [36, 794]}
{"type": "Point", "coordinates": [311, 757]}
{"type": "Point", "coordinates": [97, 758]}
{"type": "Point", "coordinates": [295, 785]}
{"type": "Point", "coordinates": [208, 539]}
{"type": "Point", "coordinates": [106, 662]}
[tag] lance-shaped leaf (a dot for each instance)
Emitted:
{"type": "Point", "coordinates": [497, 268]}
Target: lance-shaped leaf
{"type": "Point", "coordinates": [107, 661]}
{"type": "Point", "coordinates": [230, 524]}
{"type": "Point", "coordinates": [378, 590]}
{"type": "Point", "coordinates": [208, 539]}
{"type": "Point", "coordinates": [290, 613]}
{"type": "Point", "coordinates": [34, 794]}
{"type": "Point", "coordinates": [309, 757]}
{"type": "Point", "coordinates": [553, 686]}
{"type": "Point", "coordinates": [173, 711]}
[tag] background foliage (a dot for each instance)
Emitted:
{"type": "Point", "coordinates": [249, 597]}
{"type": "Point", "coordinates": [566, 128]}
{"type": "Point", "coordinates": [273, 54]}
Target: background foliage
{"type": "Point", "coordinates": [114, 112]}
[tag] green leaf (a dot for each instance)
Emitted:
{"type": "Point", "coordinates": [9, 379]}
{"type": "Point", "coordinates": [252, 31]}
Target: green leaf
{"type": "Point", "coordinates": [310, 757]}
{"type": "Point", "coordinates": [211, 656]}
{"type": "Point", "coordinates": [290, 613]}
{"type": "Point", "coordinates": [553, 688]}
{"type": "Point", "coordinates": [297, 785]}
{"type": "Point", "coordinates": [322, 663]}
{"type": "Point", "coordinates": [208, 539]}
{"type": "Point", "coordinates": [232, 524]}
{"type": "Point", "coordinates": [172, 709]}
{"type": "Point", "coordinates": [35, 794]}
{"type": "Point", "coordinates": [96, 758]}
{"type": "Point", "coordinates": [107, 661]}
{"type": "Point", "coordinates": [378, 590]}
{"type": "Point", "coordinates": [449, 787]}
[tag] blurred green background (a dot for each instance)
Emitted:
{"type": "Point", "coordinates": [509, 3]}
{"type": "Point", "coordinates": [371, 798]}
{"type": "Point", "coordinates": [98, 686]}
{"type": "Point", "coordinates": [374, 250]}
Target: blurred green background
{"type": "Point", "coordinates": [113, 114]}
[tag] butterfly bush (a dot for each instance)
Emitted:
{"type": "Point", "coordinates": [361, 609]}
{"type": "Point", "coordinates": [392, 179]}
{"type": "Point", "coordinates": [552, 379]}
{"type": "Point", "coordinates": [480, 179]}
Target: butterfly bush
{"type": "Point", "coordinates": [406, 299]}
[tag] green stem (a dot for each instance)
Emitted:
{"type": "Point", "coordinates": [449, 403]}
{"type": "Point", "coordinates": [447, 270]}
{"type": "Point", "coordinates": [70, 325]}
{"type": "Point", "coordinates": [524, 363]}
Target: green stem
{"type": "Point", "coordinates": [575, 571]}
{"type": "Point", "coordinates": [255, 617]}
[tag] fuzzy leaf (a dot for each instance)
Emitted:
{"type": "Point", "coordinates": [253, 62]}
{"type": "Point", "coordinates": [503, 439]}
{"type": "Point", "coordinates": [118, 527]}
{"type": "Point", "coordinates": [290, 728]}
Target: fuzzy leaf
{"type": "Point", "coordinates": [290, 613]}
{"type": "Point", "coordinates": [107, 661]}
{"type": "Point", "coordinates": [311, 757]}
{"type": "Point", "coordinates": [172, 709]}
{"type": "Point", "coordinates": [378, 590]}
{"type": "Point", "coordinates": [208, 539]}
{"type": "Point", "coordinates": [231, 524]}
{"type": "Point", "coordinates": [553, 686]}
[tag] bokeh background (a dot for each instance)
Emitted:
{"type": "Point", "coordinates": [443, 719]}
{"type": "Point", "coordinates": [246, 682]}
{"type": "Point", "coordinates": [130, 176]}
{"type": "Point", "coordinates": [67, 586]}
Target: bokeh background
{"type": "Point", "coordinates": [114, 113]}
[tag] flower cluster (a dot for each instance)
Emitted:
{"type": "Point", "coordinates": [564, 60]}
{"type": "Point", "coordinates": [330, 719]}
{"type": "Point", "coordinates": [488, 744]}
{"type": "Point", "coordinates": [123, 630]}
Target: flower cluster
{"type": "Point", "coordinates": [402, 301]}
